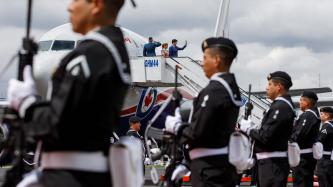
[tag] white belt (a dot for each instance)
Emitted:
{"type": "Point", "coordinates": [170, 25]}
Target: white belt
{"type": "Point", "coordinates": [203, 152]}
{"type": "Point", "coordinates": [265, 155]}
{"type": "Point", "coordinates": [83, 161]}
{"type": "Point", "coordinates": [308, 150]}
{"type": "Point", "coordinates": [327, 153]}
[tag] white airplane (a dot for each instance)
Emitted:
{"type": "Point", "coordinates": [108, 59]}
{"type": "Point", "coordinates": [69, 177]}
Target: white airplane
{"type": "Point", "coordinates": [57, 42]}
{"type": "Point", "coordinates": [145, 96]}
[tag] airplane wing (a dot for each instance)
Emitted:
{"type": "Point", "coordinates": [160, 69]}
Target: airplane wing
{"type": "Point", "coordinates": [323, 101]}
{"type": "Point", "coordinates": [298, 92]}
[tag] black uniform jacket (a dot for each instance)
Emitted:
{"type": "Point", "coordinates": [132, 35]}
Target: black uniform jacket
{"type": "Point", "coordinates": [276, 127]}
{"type": "Point", "coordinates": [306, 128]}
{"type": "Point", "coordinates": [326, 136]}
{"type": "Point", "coordinates": [214, 115]}
{"type": "Point", "coordinates": [87, 96]}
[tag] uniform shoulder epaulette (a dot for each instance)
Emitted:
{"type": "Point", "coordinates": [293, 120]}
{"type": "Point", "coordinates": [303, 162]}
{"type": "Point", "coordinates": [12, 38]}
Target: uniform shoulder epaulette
{"type": "Point", "coordinates": [229, 90]}
{"type": "Point", "coordinates": [96, 36]}
{"type": "Point", "coordinates": [329, 123]}
{"type": "Point", "coordinates": [287, 102]}
{"type": "Point", "coordinates": [312, 112]}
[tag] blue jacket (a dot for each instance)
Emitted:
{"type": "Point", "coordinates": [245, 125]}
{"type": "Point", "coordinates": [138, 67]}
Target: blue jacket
{"type": "Point", "coordinates": [173, 50]}
{"type": "Point", "coordinates": [149, 48]}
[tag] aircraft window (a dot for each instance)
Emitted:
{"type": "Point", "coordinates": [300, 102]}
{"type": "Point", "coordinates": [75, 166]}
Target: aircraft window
{"type": "Point", "coordinates": [44, 45]}
{"type": "Point", "coordinates": [63, 45]}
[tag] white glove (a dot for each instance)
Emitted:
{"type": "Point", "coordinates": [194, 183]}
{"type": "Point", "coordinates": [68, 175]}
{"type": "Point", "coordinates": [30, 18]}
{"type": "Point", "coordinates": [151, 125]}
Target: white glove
{"type": "Point", "coordinates": [246, 126]}
{"type": "Point", "coordinates": [172, 123]}
{"type": "Point", "coordinates": [155, 150]}
{"type": "Point", "coordinates": [21, 94]}
{"type": "Point", "coordinates": [179, 172]}
{"type": "Point", "coordinates": [147, 161]}
{"type": "Point", "coordinates": [148, 142]}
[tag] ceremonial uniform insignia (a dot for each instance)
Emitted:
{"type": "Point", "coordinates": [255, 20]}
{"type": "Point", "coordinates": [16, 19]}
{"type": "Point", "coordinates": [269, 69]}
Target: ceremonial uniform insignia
{"type": "Point", "coordinates": [75, 71]}
{"type": "Point", "coordinates": [276, 113]}
{"type": "Point", "coordinates": [269, 76]}
{"type": "Point", "coordinates": [203, 104]}
{"type": "Point", "coordinates": [304, 122]}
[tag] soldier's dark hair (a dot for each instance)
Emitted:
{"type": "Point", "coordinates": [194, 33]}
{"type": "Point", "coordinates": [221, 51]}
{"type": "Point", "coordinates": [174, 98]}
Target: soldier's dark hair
{"type": "Point", "coordinates": [328, 111]}
{"type": "Point", "coordinates": [330, 115]}
{"type": "Point", "coordinates": [311, 101]}
{"type": "Point", "coordinates": [112, 6]}
{"type": "Point", "coordinates": [226, 54]}
{"type": "Point", "coordinates": [282, 82]}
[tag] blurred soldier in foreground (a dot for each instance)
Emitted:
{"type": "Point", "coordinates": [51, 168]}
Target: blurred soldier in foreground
{"type": "Point", "coordinates": [271, 140]}
{"type": "Point", "coordinates": [305, 133]}
{"type": "Point", "coordinates": [215, 113]}
{"type": "Point", "coordinates": [88, 91]}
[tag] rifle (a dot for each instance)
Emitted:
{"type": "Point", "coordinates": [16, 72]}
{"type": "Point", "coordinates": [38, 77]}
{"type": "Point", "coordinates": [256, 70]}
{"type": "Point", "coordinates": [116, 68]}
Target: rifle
{"type": "Point", "coordinates": [15, 145]}
{"type": "Point", "coordinates": [248, 105]}
{"type": "Point", "coordinates": [240, 143]}
{"type": "Point", "coordinates": [247, 113]}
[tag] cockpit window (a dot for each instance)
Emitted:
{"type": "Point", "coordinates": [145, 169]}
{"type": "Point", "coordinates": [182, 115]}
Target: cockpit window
{"type": "Point", "coordinates": [44, 45]}
{"type": "Point", "coordinates": [63, 45]}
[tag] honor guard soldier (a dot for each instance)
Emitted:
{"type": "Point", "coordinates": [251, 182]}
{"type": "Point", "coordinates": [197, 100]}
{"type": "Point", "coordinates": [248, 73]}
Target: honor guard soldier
{"type": "Point", "coordinates": [305, 133]}
{"type": "Point", "coordinates": [325, 165]}
{"type": "Point", "coordinates": [88, 91]}
{"type": "Point", "coordinates": [271, 139]}
{"type": "Point", "coordinates": [135, 126]}
{"type": "Point", "coordinates": [215, 113]}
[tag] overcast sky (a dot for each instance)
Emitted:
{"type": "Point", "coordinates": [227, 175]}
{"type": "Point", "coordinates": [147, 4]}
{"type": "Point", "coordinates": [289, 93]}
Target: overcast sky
{"type": "Point", "coordinates": [291, 35]}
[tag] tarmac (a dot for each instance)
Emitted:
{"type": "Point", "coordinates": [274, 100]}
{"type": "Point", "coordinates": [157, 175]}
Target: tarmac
{"type": "Point", "coordinates": [148, 181]}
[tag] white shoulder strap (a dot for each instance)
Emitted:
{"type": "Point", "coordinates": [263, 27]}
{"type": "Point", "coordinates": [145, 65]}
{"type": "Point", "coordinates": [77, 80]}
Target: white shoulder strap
{"type": "Point", "coordinates": [329, 123]}
{"type": "Point", "coordinates": [308, 110]}
{"type": "Point", "coordinates": [286, 101]}
{"type": "Point", "coordinates": [113, 50]}
{"type": "Point", "coordinates": [227, 87]}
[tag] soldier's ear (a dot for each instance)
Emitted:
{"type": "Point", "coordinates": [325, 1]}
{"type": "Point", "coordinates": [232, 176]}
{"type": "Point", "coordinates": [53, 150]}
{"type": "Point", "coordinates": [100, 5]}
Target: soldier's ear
{"type": "Point", "coordinates": [281, 86]}
{"type": "Point", "coordinates": [218, 61]}
{"type": "Point", "coordinates": [98, 7]}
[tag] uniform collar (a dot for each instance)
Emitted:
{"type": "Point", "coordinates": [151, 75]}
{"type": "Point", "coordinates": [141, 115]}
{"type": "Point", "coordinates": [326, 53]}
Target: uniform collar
{"type": "Point", "coordinates": [287, 97]}
{"type": "Point", "coordinates": [132, 130]}
{"type": "Point", "coordinates": [97, 28]}
{"type": "Point", "coordinates": [218, 74]}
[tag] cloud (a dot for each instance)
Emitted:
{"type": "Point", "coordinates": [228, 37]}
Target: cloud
{"type": "Point", "coordinates": [284, 22]}
{"type": "Point", "coordinates": [305, 66]}
{"type": "Point", "coordinates": [45, 14]}
{"type": "Point", "coordinates": [152, 17]}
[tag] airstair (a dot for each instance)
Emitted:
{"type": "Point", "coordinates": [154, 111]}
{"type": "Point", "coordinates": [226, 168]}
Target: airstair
{"type": "Point", "coordinates": [160, 72]}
